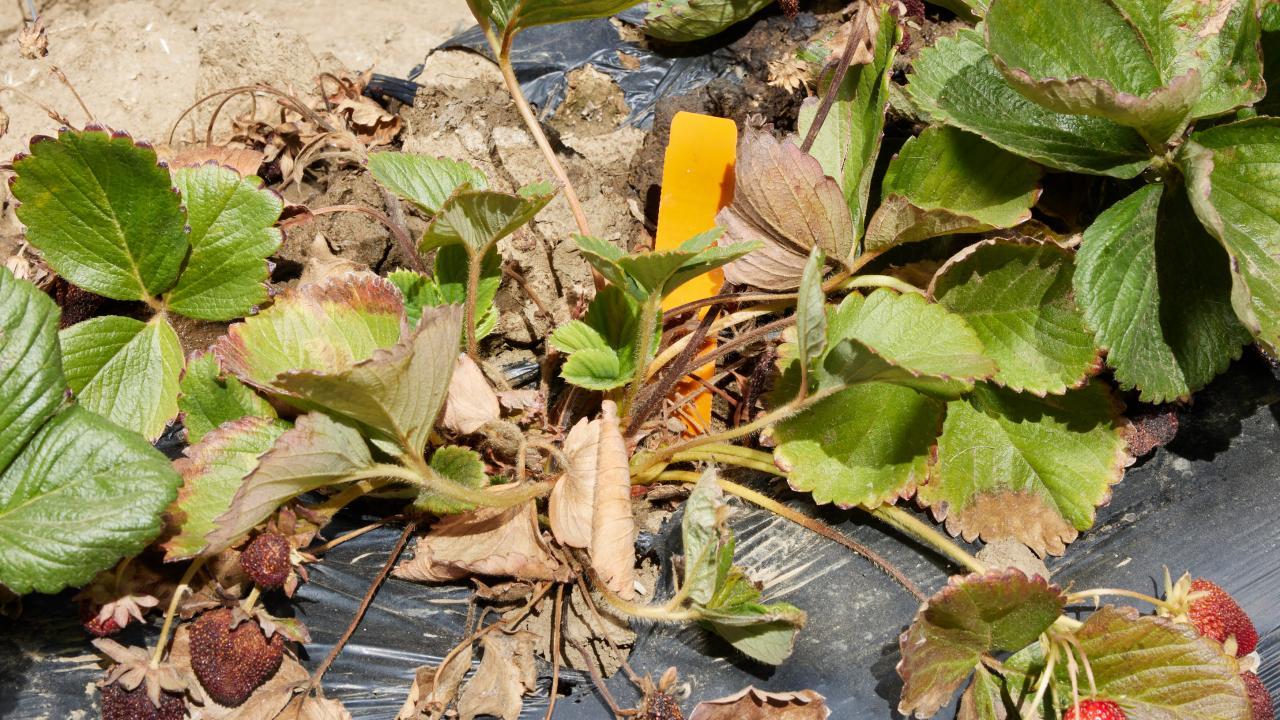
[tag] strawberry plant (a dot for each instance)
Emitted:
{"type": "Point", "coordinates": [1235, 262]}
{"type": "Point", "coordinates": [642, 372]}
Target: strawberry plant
{"type": "Point", "coordinates": [925, 326]}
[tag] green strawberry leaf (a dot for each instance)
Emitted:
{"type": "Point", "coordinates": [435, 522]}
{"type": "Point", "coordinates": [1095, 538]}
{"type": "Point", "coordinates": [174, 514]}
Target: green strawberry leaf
{"type": "Point", "coordinates": [103, 213]}
{"type": "Point", "coordinates": [811, 312]}
{"type": "Point", "coordinates": [513, 16]}
{"type": "Point", "coordinates": [703, 530]}
{"type": "Point", "coordinates": [315, 453]}
{"type": "Point", "coordinates": [125, 370]}
{"type": "Point", "coordinates": [82, 494]}
{"type": "Point", "coordinates": [425, 181]}
{"type": "Point", "coordinates": [1052, 54]}
{"type": "Point", "coordinates": [602, 346]}
{"type": "Point", "coordinates": [982, 700]}
{"type": "Point", "coordinates": [208, 400]}
{"type": "Point", "coordinates": [689, 20]}
{"type": "Point", "coordinates": [865, 445]}
{"type": "Point", "coordinates": [395, 395]}
{"type": "Point", "coordinates": [972, 616]}
{"type": "Point", "coordinates": [1233, 188]}
{"type": "Point", "coordinates": [32, 384]}
{"type": "Point", "coordinates": [448, 286]}
{"type": "Point", "coordinates": [946, 181]}
{"type": "Point", "coordinates": [1012, 465]}
{"type": "Point", "coordinates": [783, 199]}
{"type": "Point", "coordinates": [212, 471]}
{"type": "Point", "coordinates": [1157, 289]}
{"type": "Point", "coordinates": [232, 221]}
{"type": "Point", "coordinates": [1017, 297]}
{"type": "Point", "coordinates": [957, 82]}
{"type": "Point", "coordinates": [461, 465]}
{"type": "Point", "coordinates": [478, 219]}
{"type": "Point", "coordinates": [848, 142]}
{"type": "Point", "coordinates": [765, 633]}
{"type": "Point", "coordinates": [1153, 667]}
{"type": "Point", "coordinates": [327, 326]}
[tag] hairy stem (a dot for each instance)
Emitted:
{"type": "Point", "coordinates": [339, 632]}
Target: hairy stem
{"type": "Point", "coordinates": [426, 477]}
{"type": "Point", "coordinates": [1131, 594]}
{"type": "Point", "coordinates": [673, 350]}
{"type": "Point", "coordinates": [475, 261]}
{"type": "Point", "coordinates": [649, 313]}
{"type": "Point", "coordinates": [880, 281]}
{"type": "Point", "coordinates": [183, 586]}
{"type": "Point", "coordinates": [915, 528]}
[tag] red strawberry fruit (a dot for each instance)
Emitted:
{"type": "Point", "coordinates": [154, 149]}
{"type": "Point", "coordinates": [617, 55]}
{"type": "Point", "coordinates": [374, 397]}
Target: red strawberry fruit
{"type": "Point", "coordinates": [121, 704]}
{"type": "Point", "coordinates": [232, 662]}
{"type": "Point", "coordinates": [1217, 615]}
{"type": "Point", "coordinates": [1095, 710]}
{"type": "Point", "coordinates": [95, 624]}
{"type": "Point", "coordinates": [1259, 698]}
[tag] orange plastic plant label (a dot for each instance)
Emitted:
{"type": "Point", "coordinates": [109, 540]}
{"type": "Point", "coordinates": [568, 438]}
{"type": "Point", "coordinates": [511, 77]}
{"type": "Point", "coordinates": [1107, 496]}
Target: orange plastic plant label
{"type": "Point", "coordinates": [697, 181]}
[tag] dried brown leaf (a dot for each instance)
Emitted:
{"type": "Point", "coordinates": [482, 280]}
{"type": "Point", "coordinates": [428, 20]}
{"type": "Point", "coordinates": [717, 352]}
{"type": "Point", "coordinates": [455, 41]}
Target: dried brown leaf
{"type": "Point", "coordinates": [245, 161]}
{"type": "Point", "coordinates": [33, 42]}
{"type": "Point", "coordinates": [784, 199]}
{"type": "Point", "coordinates": [488, 541]}
{"type": "Point", "coordinates": [471, 401]}
{"type": "Point", "coordinates": [434, 689]}
{"type": "Point", "coordinates": [1022, 516]}
{"type": "Point", "coordinates": [322, 264]}
{"type": "Point", "coordinates": [572, 503]}
{"type": "Point", "coordinates": [312, 707]}
{"type": "Point", "coordinates": [753, 704]}
{"type": "Point", "coordinates": [506, 673]}
{"type": "Point", "coordinates": [613, 526]}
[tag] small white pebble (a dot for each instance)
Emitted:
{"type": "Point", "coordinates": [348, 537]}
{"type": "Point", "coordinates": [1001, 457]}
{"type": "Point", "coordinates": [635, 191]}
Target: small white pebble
{"type": "Point", "coordinates": [165, 46]}
{"type": "Point", "coordinates": [639, 588]}
{"type": "Point", "coordinates": [1124, 562]}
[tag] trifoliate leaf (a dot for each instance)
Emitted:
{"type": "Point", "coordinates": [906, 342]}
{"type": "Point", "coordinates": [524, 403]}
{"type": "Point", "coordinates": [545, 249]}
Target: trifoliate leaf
{"type": "Point", "coordinates": [1157, 289]}
{"type": "Point", "coordinates": [957, 82]}
{"type": "Point", "coordinates": [327, 326]}
{"type": "Point", "coordinates": [82, 494]}
{"type": "Point", "coordinates": [783, 199]}
{"type": "Point", "coordinates": [866, 445]}
{"type": "Point", "coordinates": [946, 181]}
{"type": "Point", "coordinates": [423, 180]}
{"type": "Point", "coordinates": [460, 465]}
{"type": "Point", "coordinates": [689, 20]}
{"type": "Point", "coordinates": [1012, 465]}
{"type": "Point", "coordinates": [103, 213]}
{"type": "Point", "coordinates": [477, 219]}
{"type": "Point", "coordinates": [125, 370]}
{"type": "Point", "coordinates": [232, 221]}
{"type": "Point", "coordinates": [602, 346]}
{"type": "Point", "coordinates": [208, 400]}
{"type": "Point", "coordinates": [316, 452]}
{"type": "Point", "coordinates": [212, 471]}
{"type": "Point", "coordinates": [1050, 52]}
{"type": "Point", "coordinates": [1232, 186]}
{"type": "Point", "coordinates": [973, 615]}
{"type": "Point", "coordinates": [1153, 667]}
{"type": "Point", "coordinates": [1017, 297]}
{"type": "Point", "coordinates": [396, 394]}
{"type": "Point", "coordinates": [848, 142]}
{"type": "Point", "coordinates": [32, 385]}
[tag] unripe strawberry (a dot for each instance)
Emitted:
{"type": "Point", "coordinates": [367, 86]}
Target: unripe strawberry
{"type": "Point", "coordinates": [1096, 710]}
{"type": "Point", "coordinates": [266, 560]}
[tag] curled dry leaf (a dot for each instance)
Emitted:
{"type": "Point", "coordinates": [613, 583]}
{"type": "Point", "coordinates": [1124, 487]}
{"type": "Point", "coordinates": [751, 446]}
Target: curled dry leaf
{"type": "Point", "coordinates": [613, 527]}
{"type": "Point", "coordinates": [572, 503]}
{"type": "Point", "coordinates": [488, 541]}
{"type": "Point", "coordinates": [753, 704]}
{"type": "Point", "coordinates": [783, 198]}
{"type": "Point", "coordinates": [471, 401]}
{"type": "Point", "coordinates": [322, 264]}
{"type": "Point", "coordinates": [434, 688]}
{"type": "Point", "coordinates": [506, 673]}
